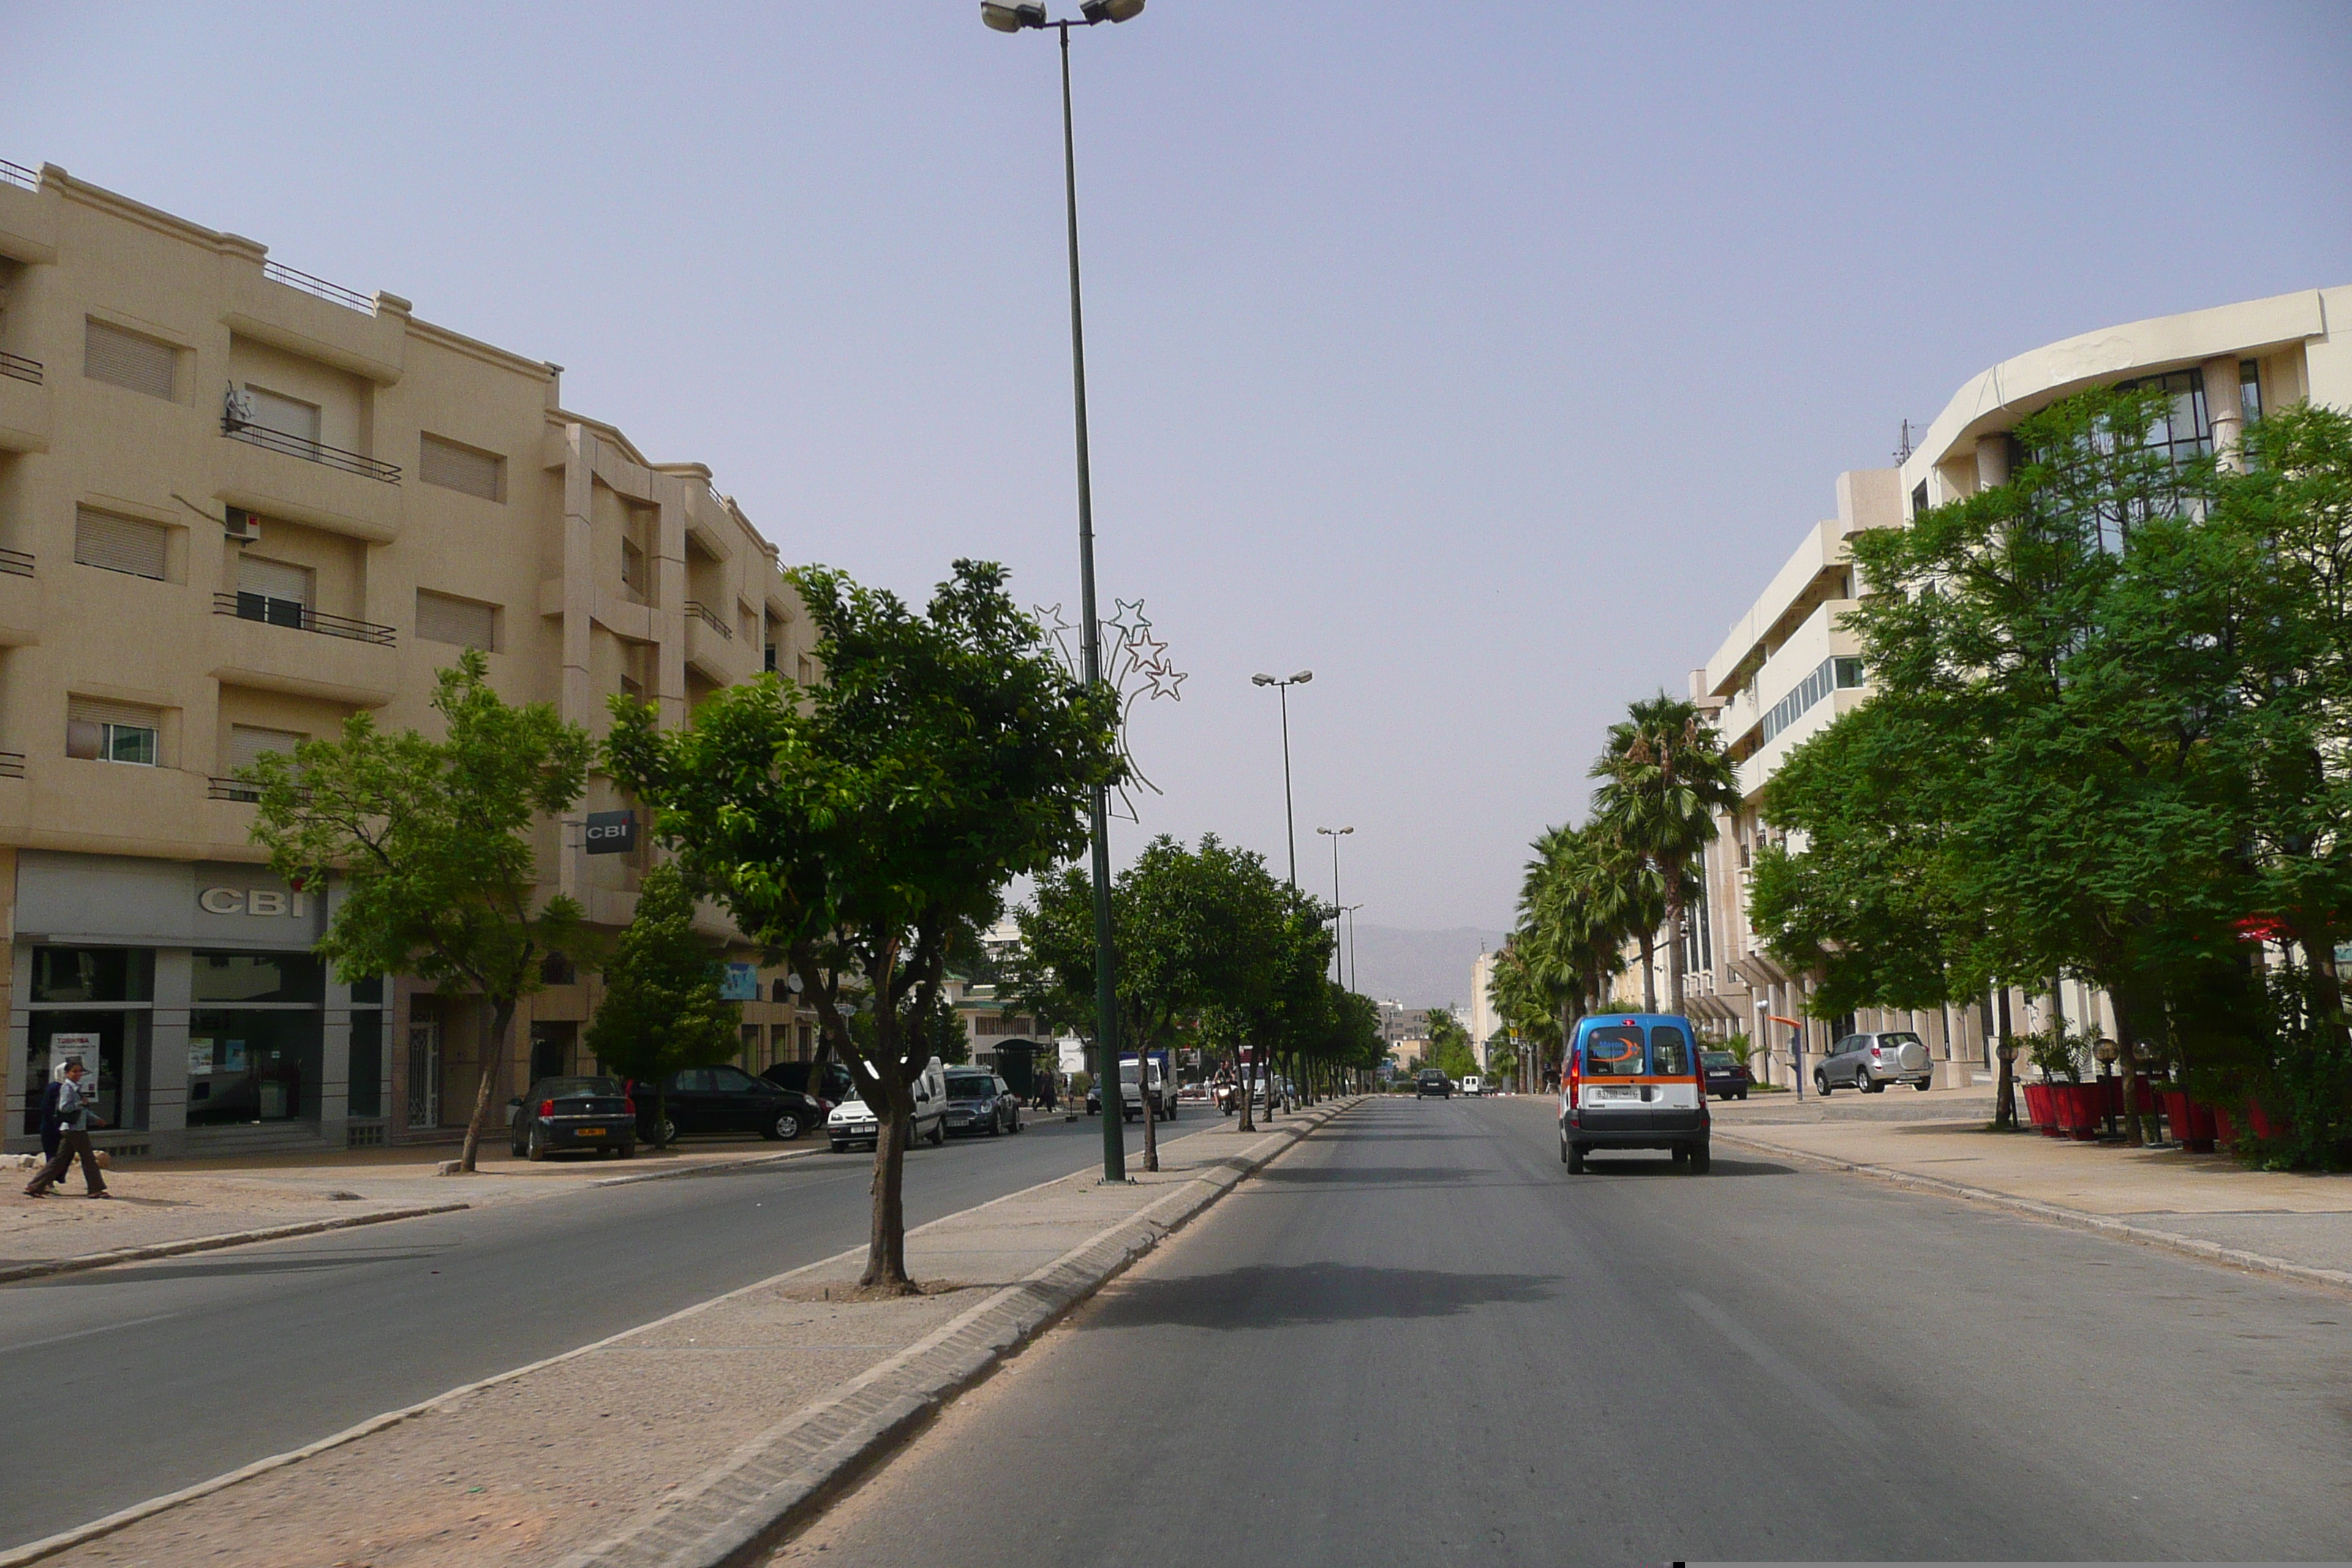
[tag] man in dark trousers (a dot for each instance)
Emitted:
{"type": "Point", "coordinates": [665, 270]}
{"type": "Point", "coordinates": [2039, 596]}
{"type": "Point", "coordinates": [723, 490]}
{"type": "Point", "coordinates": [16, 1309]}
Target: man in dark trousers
{"type": "Point", "coordinates": [75, 1119]}
{"type": "Point", "coordinates": [50, 1131]}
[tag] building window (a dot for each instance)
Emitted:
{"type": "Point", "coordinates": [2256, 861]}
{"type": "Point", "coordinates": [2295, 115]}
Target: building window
{"type": "Point", "coordinates": [1832, 674]}
{"type": "Point", "coordinates": [114, 732]}
{"type": "Point", "coordinates": [123, 544]}
{"type": "Point", "coordinates": [1918, 498]}
{"type": "Point", "coordinates": [456, 467]}
{"type": "Point", "coordinates": [443, 617]}
{"type": "Point", "coordinates": [93, 974]}
{"type": "Point", "coordinates": [289, 416]}
{"type": "Point", "coordinates": [633, 571]}
{"type": "Point", "coordinates": [278, 591]}
{"type": "Point", "coordinates": [2249, 390]}
{"type": "Point", "coordinates": [126, 359]}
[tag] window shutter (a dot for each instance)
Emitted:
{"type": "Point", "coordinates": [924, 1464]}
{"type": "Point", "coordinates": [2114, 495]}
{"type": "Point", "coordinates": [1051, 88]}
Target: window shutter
{"type": "Point", "coordinates": [120, 543]}
{"type": "Point", "coordinates": [287, 416]}
{"type": "Point", "coordinates": [84, 715]}
{"type": "Point", "coordinates": [126, 359]}
{"type": "Point", "coordinates": [456, 468]}
{"type": "Point", "coordinates": [441, 618]}
{"type": "Point", "coordinates": [248, 744]}
{"type": "Point", "coordinates": [273, 579]}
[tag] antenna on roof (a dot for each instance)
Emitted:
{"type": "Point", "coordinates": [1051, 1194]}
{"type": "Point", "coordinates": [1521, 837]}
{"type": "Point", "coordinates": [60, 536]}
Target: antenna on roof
{"type": "Point", "coordinates": [1902, 447]}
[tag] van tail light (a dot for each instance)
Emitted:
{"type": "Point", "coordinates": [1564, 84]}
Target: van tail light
{"type": "Point", "coordinates": [547, 1108]}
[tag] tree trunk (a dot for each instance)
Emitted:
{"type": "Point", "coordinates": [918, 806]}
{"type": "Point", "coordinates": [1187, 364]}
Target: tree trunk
{"type": "Point", "coordinates": [885, 1243]}
{"type": "Point", "coordinates": [1649, 971]}
{"type": "Point", "coordinates": [2129, 1062]}
{"type": "Point", "coordinates": [2004, 1104]}
{"type": "Point", "coordinates": [1674, 917]}
{"type": "Point", "coordinates": [493, 1065]}
{"type": "Point", "coordinates": [1241, 1091]}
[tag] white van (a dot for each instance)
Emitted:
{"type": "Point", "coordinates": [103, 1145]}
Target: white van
{"type": "Point", "coordinates": [852, 1122]}
{"type": "Point", "coordinates": [1473, 1084]}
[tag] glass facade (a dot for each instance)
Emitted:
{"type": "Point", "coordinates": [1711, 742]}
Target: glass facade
{"type": "Point", "coordinates": [93, 974]}
{"type": "Point", "coordinates": [366, 1094]}
{"type": "Point", "coordinates": [253, 1065]}
{"type": "Point", "coordinates": [1833, 674]}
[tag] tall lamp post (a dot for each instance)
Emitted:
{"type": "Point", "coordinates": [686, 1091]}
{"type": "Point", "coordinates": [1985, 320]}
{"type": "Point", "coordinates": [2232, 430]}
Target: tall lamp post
{"type": "Point", "coordinates": [1289, 818]}
{"type": "Point", "coordinates": [1014, 19]}
{"type": "Point", "coordinates": [1353, 974]}
{"type": "Point", "coordinates": [1338, 910]}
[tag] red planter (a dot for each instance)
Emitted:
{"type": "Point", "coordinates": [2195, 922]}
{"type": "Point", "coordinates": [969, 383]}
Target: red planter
{"type": "Point", "coordinates": [2080, 1107]}
{"type": "Point", "coordinates": [2039, 1109]}
{"type": "Point", "coordinates": [2265, 1125]}
{"type": "Point", "coordinates": [2192, 1124]}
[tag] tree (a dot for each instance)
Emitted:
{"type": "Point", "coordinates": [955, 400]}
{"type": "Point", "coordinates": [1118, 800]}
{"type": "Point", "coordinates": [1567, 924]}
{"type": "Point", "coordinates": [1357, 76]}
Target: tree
{"type": "Point", "coordinates": [661, 1010]}
{"type": "Point", "coordinates": [1665, 776]}
{"type": "Point", "coordinates": [1449, 1044]}
{"type": "Point", "coordinates": [432, 841]}
{"type": "Point", "coordinates": [852, 825]}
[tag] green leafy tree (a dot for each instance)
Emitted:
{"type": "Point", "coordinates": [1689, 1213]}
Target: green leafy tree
{"type": "Point", "coordinates": [432, 842]}
{"type": "Point", "coordinates": [1449, 1044]}
{"type": "Point", "coordinates": [661, 1010]}
{"type": "Point", "coordinates": [855, 825]}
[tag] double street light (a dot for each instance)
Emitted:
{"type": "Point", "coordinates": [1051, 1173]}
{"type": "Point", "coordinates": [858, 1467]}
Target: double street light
{"type": "Point", "coordinates": [1289, 818]}
{"type": "Point", "coordinates": [1013, 19]}
{"type": "Point", "coordinates": [1338, 908]}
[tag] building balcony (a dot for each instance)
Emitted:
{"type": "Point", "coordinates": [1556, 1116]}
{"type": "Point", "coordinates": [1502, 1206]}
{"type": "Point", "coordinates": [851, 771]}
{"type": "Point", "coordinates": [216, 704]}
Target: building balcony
{"type": "Point", "coordinates": [274, 304]}
{"type": "Point", "coordinates": [709, 644]}
{"type": "Point", "coordinates": [359, 668]}
{"type": "Point", "coordinates": [28, 216]}
{"type": "Point", "coordinates": [311, 451]}
{"type": "Point", "coordinates": [20, 600]}
{"type": "Point", "coordinates": [300, 617]}
{"type": "Point", "coordinates": [24, 405]}
{"type": "Point", "coordinates": [280, 476]}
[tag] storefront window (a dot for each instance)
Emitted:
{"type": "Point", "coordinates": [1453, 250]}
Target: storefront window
{"type": "Point", "coordinates": [111, 1046]}
{"type": "Point", "coordinates": [366, 1098]}
{"type": "Point", "coordinates": [93, 974]}
{"type": "Point", "coordinates": [252, 1065]}
{"type": "Point", "coordinates": [234, 977]}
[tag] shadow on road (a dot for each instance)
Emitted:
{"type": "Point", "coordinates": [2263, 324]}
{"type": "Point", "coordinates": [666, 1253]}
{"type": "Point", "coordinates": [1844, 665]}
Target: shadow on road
{"type": "Point", "coordinates": [122, 1273]}
{"type": "Point", "coordinates": [1264, 1295]}
{"type": "Point", "coordinates": [1660, 1167]}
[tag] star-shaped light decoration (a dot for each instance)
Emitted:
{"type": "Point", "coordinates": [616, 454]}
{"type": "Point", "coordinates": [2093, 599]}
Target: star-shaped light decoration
{"type": "Point", "coordinates": [1135, 665]}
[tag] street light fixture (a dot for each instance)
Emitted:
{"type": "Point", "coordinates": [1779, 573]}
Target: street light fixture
{"type": "Point", "coordinates": [1289, 818]}
{"type": "Point", "coordinates": [1014, 19]}
{"type": "Point", "coordinates": [1335, 835]}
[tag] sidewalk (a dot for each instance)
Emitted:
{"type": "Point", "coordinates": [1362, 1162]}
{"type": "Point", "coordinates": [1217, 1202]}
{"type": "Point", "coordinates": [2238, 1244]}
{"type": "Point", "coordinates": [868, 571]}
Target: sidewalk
{"type": "Point", "coordinates": [691, 1440]}
{"type": "Point", "coordinates": [2206, 1205]}
{"type": "Point", "coordinates": [160, 1206]}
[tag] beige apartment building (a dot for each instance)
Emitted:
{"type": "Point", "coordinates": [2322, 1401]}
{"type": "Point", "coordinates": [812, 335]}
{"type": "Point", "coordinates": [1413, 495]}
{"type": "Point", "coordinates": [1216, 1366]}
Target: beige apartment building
{"type": "Point", "coordinates": [238, 505]}
{"type": "Point", "coordinates": [1786, 668]}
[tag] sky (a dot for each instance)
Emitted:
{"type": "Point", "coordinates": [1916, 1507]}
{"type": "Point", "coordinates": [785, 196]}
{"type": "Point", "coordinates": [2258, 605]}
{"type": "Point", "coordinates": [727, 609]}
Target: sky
{"type": "Point", "coordinates": [1486, 360]}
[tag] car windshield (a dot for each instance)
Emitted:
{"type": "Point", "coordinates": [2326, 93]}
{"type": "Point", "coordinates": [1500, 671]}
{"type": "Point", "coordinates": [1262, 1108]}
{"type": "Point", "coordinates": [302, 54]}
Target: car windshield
{"type": "Point", "coordinates": [1898, 1039]}
{"type": "Point", "coordinates": [1614, 1052]}
{"type": "Point", "coordinates": [576, 1088]}
{"type": "Point", "coordinates": [965, 1086]}
{"type": "Point", "coordinates": [1716, 1058]}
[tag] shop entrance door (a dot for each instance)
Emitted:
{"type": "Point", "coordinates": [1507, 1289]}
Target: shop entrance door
{"type": "Point", "coordinates": [425, 1073]}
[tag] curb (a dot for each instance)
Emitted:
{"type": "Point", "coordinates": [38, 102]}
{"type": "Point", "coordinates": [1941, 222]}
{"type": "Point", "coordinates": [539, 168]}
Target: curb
{"type": "Point", "coordinates": [2102, 1224]}
{"type": "Point", "coordinates": [213, 1242]}
{"type": "Point", "coordinates": [770, 1486]}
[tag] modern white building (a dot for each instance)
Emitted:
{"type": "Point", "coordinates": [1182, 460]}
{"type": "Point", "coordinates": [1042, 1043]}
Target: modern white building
{"type": "Point", "coordinates": [1787, 667]}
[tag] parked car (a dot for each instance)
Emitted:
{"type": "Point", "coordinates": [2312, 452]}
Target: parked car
{"type": "Point", "coordinates": [1429, 1081]}
{"type": "Point", "coordinates": [980, 1102]}
{"type": "Point", "coordinates": [1726, 1074]}
{"type": "Point", "coordinates": [701, 1100]}
{"type": "Point", "coordinates": [566, 1113]}
{"type": "Point", "coordinates": [1870, 1062]}
{"type": "Point", "coordinates": [832, 1088]}
{"type": "Point", "coordinates": [851, 1123]}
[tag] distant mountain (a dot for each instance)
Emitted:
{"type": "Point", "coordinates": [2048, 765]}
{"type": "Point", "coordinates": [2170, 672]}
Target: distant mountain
{"type": "Point", "coordinates": [1420, 968]}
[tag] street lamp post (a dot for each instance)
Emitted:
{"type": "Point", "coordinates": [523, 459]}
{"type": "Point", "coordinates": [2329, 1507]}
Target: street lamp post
{"type": "Point", "coordinates": [1014, 19]}
{"type": "Point", "coordinates": [1289, 818]}
{"type": "Point", "coordinates": [1338, 975]}
{"type": "Point", "coordinates": [1353, 974]}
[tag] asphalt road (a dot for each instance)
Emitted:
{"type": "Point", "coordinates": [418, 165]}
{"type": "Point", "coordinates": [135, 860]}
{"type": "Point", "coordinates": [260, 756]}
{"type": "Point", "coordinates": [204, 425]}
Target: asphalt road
{"type": "Point", "coordinates": [131, 1381]}
{"type": "Point", "coordinates": [1415, 1338]}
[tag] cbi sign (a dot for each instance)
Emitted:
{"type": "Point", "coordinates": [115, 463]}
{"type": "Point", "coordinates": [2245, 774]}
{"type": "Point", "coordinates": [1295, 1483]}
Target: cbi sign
{"type": "Point", "coordinates": [263, 902]}
{"type": "Point", "coordinates": [612, 832]}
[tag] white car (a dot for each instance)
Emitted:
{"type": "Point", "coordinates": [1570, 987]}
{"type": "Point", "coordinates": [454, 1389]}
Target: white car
{"type": "Point", "coordinates": [1474, 1084]}
{"type": "Point", "coordinates": [853, 1123]}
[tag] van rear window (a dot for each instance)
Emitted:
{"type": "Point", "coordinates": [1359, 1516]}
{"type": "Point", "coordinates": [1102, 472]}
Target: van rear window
{"type": "Point", "coordinates": [1670, 1052]}
{"type": "Point", "coordinates": [1613, 1052]}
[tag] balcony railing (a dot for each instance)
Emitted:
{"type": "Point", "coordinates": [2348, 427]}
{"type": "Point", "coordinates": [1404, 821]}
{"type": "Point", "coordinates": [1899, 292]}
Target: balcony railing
{"type": "Point", "coordinates": [17, 174]}
{"type": "Point", "coordinates": [709, 618]}
{"type": "Point", "coordinates": [16, 562]}
{"type": "Point", "coordinates": [335, 292]}
{"type": "Point", "coordinates": [313, 451]}
{"type": "Point", "coordinates": [12, 765]}
{"type": "Point", "coordinates": [20, 367]}
{"type": "Point", "coordinates": [300, 617]}
{"type": "Point", "coordinates": [216, 788]}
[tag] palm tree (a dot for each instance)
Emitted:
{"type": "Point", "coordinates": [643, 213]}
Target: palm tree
{"type": "Point", "coordinates": [1574, 915]}
{"type": "Point", "coordinates": [1665, 776]}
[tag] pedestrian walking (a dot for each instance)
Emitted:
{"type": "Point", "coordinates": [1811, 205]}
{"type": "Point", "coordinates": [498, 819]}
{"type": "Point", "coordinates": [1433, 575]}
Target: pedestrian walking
{"type": "Point", "coordinates": [51, 1131]}
{"type": "Point", "coordinates": [75, 1119]}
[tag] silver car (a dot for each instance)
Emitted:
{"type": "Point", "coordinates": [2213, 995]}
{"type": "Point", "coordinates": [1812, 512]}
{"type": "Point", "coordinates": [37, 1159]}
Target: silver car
{"type": "Point", "coordinates": [1871, 1062]}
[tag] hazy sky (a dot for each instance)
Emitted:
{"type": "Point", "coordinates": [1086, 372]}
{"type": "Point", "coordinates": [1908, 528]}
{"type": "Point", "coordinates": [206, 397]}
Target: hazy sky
{"type": "Point", "coordinates": [1486, 359]}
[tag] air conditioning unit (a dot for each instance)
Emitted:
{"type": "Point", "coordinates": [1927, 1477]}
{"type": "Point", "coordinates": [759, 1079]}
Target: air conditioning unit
{"type": "Point", "coordinates": [242, 526]}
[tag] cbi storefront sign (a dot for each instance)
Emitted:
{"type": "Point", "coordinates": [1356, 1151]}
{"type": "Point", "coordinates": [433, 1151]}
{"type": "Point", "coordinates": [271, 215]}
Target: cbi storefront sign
{"type": "Point", "coordinates": [120, 900]}
{"type": "Point", "coordinates": [265, 903]}
{"type": "Point", "coordinates": [612, 832]}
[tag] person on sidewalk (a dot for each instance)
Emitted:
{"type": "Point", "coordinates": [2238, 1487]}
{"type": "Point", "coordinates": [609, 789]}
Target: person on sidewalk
{"type": "Point", "coordinates": [74, 1120]}
{"type": "Point", "coordinates": [51, 1128]}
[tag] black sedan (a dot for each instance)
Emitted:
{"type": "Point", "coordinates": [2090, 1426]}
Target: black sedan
{"type": "Point", "coordinates": [980, 1103]}
{"type": "Point", "coordinates": [566, 1113]}
{"type": "Point", "coordinates": [1726, 1074]}
{"type": "Point", "coordinates": [725, 1100]}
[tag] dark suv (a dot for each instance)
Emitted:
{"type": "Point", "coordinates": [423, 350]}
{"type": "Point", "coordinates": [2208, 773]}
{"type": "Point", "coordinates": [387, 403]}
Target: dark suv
{"type": "Point", "coordinates": [1431, 1081]}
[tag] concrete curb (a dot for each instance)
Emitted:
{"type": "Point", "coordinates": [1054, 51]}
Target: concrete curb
{"type": "Point", "coordinates": [2079, 1219]}
{"type": "Point", "coordinates": [213, 1242]}
{"type": "Point", "coordinates": [741, 1508]}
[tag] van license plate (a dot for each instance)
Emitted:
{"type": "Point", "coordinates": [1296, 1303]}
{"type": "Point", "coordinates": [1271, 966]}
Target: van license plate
{"type": "Point", "coordinates": [588, 1131]}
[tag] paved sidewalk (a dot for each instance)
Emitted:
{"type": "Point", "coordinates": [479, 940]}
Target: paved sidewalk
{"type": "Point", "coordinates": [685, 1441]}
{"type": "Point", "coordinates": [2203, 1203]}
{"type": "Point", "coordinates": [181, 1204]}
